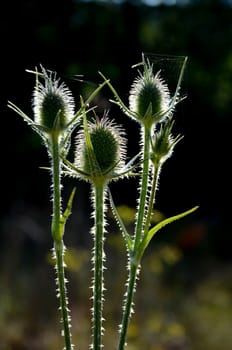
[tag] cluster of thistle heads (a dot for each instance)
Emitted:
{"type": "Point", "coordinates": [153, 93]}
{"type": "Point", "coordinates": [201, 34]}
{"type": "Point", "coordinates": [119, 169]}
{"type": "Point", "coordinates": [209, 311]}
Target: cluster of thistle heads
{"type": "Point", "coordinates": [100, 144]}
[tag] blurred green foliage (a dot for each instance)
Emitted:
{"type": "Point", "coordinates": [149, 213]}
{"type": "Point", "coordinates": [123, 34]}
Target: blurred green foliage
{"type": "Point", "coordinates": [176, 306]}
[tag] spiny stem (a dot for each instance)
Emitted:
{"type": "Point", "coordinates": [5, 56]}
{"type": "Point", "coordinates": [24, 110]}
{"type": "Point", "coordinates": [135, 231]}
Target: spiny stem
{"type": "Point", "coordinates": [59, 255]}
{"type": "Point", "coordinates": [151, 201]}
{"type": "Point", "coordinates": [134, 265]}
{"type": "Point", "coordinates": [143, 188]}
{"type": "Point", "coordinates": [58, 241]}
{"type": "Point", "coordinates": [56, 186]}
{"type": "Point", "coordinates": [98, 266]}
{"type": "Point", "coordinates": [127, 306]}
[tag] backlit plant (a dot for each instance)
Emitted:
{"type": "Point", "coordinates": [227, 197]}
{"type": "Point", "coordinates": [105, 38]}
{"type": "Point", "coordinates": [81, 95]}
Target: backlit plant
{"type": "Point", "coordinates": [100, 158]}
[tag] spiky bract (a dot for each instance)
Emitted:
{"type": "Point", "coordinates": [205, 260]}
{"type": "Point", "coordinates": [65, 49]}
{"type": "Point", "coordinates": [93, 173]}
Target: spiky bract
{"type": "Point", "coordinates": [53, 103]}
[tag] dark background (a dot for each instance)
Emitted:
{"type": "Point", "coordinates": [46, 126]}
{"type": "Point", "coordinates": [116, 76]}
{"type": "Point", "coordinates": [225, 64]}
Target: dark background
{"type": "Point", "coordinates": [75, 37]}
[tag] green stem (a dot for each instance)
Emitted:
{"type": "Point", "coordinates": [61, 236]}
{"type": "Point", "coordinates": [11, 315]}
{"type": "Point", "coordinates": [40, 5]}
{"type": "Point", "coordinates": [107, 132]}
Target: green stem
{"type": "Point", "coordinates": [57, 235]}
{"type": "Point", "coordinates": [134, 265]}
{"type": "Point", "coordinates": [128, 306]}
{"type": "Point", "coordinates": [155, 178]}
{"type": "Point", "coordinates": [143, 188]}
{"type": "Point", "coordinates": [98, 266]}
{"type": "Point", "coordinates": [62, 293]}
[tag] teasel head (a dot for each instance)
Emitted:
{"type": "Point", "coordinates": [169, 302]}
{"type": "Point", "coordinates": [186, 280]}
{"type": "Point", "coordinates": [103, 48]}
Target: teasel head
{"type": "Point", "coordinates": [53, 103]}
{"type": "Point", "coordinates": [163, 143]}
{"type": "Point", "coordinates": [100, 151]}
{"type": "Point", "coordinates": [150, 101]}
{"type": "Point", "coordinates": [149, 98]}
{"type": "Point", "coordinates": [53, 107]}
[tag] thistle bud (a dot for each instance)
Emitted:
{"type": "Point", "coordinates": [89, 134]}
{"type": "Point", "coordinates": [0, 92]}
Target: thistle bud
{"type": "Point", "coordinates": [104, 155]}
{"type": "Point", "coordinates": [149, 98]}
{"type": "Point", "coordinates": [163, 143]}
{"type": "Point", "coordinates": [53, 103]}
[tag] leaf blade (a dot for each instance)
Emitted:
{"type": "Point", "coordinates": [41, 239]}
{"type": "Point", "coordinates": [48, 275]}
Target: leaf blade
{"type": "Point", "coordinates": [125, 234]}
{"type": "Point", "coordinates": [148, 237]}
{"type": "Point", "coordinates": [67, 212]}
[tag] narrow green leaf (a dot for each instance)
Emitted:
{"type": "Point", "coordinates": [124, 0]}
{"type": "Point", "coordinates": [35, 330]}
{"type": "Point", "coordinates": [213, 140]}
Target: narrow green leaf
{"type": "Point", "coordinates": [125, 234]}
{"type": "Point", "coordinates": [148, 112]}
{"type": "Point", "coordinates": [20, 112]}
{"type": "Point", "coordinates": [45, 168]}
{"type": "Point", "coordinates": [118, 101]}
{"type": "Point", "coordinates": [69, 166]}
{"type": "Point", "coordinates": [41, 130]}
{"type": "Point", "coordinates": [95, 92]}
{"type": "Point", "coordinates": [74, 122]}
{"type": "Point", "coordinates": [35, 72]}
{"type": "Point", "coordinates": [67, 211]}
{"type": "Point", "coordinates": [90, 150]}
{"type": "Point", "coordinates": [132, 161]}
{"type": "Point", "coordinates": [56, 123]}
{"type": "Point", "coordinates": [147, 237]}
{"type": "Point", "coordinates": [128, 172]}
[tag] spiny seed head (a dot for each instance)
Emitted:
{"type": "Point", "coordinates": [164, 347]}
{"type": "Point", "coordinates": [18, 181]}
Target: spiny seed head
{"type": "Point", "coordinates": [53, 103]}
{"type": "Point", "coordinates": [107, 155]}
{"type": "Point", "coordinates": [149, 98]}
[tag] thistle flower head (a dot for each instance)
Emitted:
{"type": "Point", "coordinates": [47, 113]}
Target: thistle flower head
{"type": "Point", "coordinates": [53, 103]}
{"type": "Point", "coordinates": [163, 143]}
{"type": "Point", "coordinates": [100, 150]}
{"type": "Point", "coordinates": [149, 98]}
